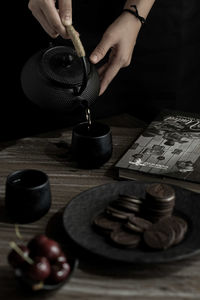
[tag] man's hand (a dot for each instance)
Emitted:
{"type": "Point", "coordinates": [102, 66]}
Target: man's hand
{"type": "Point", "coordinates": [120, 38]}
{"type": "Point", "coordinates": [51, 18]}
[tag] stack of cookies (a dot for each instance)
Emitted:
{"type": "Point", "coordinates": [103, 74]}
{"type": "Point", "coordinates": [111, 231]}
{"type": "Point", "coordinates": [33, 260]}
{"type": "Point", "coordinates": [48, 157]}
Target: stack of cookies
{"type": "Point", "coordinates": [126, 204]}
{"type": "Point", "coordinates": [159, 202]}
{"type": "Point", "coordinates": [128, 221]}
{"type": "Point", "coordinates": [118, 213]}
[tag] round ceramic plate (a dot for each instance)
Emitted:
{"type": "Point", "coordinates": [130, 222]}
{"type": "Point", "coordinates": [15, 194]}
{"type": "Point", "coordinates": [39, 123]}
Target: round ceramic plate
{"type": "Point", "coordinates": [82, 209]}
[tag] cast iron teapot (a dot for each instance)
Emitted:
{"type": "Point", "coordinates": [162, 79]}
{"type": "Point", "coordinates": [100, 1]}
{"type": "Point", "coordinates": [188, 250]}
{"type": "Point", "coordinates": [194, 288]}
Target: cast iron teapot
{"type": "Point", "coordinates": [60, 78]}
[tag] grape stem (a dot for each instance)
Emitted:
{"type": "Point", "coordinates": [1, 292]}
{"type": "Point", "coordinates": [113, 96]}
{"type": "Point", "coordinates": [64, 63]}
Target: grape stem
{"type": "Point", "coordinates": [17, 232]}
{"type": "Point", "coordinates": [14, 246]}
{"type": "Point", "coordinates": [38, 286]}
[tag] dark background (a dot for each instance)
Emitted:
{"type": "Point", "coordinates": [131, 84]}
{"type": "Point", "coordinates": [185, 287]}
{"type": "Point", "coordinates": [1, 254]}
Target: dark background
{"type": "Point", "coordinates": [22, 38]}
{"type": "Point", "coordinates": [164, 72]}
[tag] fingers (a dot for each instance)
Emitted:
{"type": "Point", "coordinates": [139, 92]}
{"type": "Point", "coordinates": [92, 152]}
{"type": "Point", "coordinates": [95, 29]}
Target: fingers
{"type": "Point", "coordinates": [101, 70]}
{"type": "Point", "coordinates": [102, 48]}
{"type": "Point", "coordinates": [53, 18]}
{"type": "Point", "coordinates": [107, 73]}
{"type": "Point", "coordinates": [65, 11]}
{"type": "Point", "coordinates": [117, 60]}
{"type": "Point", "coordinates": [120, 39]}
{"type": "Point", "coordinates": [39, 15]}
{"type": "Point", "coordinates": [48, 16]}
{"type": "Point", "coordinates": [109, 70]}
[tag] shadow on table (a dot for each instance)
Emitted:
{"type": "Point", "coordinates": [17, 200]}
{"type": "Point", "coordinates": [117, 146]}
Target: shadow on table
{"type": "Point", "coordinates": [11, 289]}
{"type": "Point", "coordinates": [7, 144]}
{"type": "Point", "coordinates": [3, 215]}
{"type": "Point", "coordinates": [61, 152]}
{"type": "Point", "coordinates": [93, 264]}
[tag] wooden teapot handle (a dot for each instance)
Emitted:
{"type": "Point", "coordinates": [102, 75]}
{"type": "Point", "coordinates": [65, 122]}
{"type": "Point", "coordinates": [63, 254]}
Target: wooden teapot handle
{"type": "Point", "coordinates": [81, 53]}
{"type": "Point", "coordinates": [75, 40]}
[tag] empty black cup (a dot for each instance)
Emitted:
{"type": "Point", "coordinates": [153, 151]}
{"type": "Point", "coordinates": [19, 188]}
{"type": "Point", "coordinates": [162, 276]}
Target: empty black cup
{"type": "Point", "coordinates": [28, 195]}
{"type": "Point", "coordinates": [91, 147]}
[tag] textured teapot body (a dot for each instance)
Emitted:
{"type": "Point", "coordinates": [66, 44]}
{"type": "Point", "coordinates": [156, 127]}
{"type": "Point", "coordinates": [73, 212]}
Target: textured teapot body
{"type": "Point", "coordinates": [54, 84]}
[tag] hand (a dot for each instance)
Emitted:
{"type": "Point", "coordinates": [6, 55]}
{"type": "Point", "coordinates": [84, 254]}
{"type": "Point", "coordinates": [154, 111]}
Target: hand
{"type": "Point", "coordinates": [120, 38]}
{"type": "Point", "coordinates": [51, 18]}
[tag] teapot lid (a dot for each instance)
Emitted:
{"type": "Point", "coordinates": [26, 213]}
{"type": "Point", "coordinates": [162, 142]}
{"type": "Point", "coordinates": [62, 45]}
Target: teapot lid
{"type": "Point", "coordinates": [62, 65]}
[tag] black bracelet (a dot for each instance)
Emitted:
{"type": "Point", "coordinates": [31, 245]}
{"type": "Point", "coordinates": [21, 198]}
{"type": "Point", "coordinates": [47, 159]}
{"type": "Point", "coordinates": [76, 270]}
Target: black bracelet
{"type": "Point", "coordinates": [135, 13]}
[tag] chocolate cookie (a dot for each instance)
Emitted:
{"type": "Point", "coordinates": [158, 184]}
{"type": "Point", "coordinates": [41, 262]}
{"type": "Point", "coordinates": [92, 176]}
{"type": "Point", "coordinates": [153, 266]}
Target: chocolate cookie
{"type": "Point", "coordinates": [137, 224]}
{"type": "Point", "coordinates": [130, 198]}
{"type": "Point", "coordinates": [125, 239]}
{"type": "Point", "coordinates": [183, 223]}
{"type": "Point", "coordinates": [160, 192]}
{"type": "Point", "coordinates": [159, 236]}
{"type": "Point", "coordinates": [159, 202]}
{"type": "Point", "coordinates": [104, 225]}
{"type": "Point", "coordinates": [157, 213]}
{"type": "Point", "coordinates": [179, 226]}
{"type": "Point", "coordinates": [127, 206]}
{"type": "Point", "coordinates": [117, 213]}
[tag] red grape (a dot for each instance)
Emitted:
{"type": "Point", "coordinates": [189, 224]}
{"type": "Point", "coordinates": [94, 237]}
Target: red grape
{"type": "Point", "coordinates": [61, 258]}
{"type": "Point", "coordinates": [43, 246]}
{"type": "Point", "coordinates": [59, 272]}
{"type": "Point", "coordinates": [40, 269]}
{"type": "Point", "coordinates": [37, 242]}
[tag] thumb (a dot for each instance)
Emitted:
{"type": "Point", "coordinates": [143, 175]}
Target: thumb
{"type": "Point", "coordinates": [65, 11]}
{"type": "Point", "coordinates": [101, 49]}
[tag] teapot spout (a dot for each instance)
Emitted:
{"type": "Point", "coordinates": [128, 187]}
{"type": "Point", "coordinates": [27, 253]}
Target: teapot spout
{"type": "Point", "coordinates": [83, 102]}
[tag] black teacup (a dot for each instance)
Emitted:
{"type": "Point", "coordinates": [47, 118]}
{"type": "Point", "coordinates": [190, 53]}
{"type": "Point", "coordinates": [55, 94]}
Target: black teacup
{"type": "Point", "coordinates": [91, 145]}
{"type": "Point", "coordinates": [28, 195]}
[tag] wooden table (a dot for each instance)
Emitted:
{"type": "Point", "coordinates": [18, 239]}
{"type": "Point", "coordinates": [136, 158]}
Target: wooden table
{"type": "Point", "coordinates": [91, 280]}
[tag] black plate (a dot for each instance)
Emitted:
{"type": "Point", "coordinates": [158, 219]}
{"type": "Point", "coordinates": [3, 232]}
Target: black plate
{"type": "Point", "coordinates": [28, 283]}
{"type": "Point", "coordinates": [81, 210]}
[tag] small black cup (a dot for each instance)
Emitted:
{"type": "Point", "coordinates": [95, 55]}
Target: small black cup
{"type": "Point", "coordinates": [92, 147]}
{"type": "Point", "coordinates": [28, 195]}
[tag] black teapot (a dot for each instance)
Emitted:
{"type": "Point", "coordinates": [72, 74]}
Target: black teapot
{"type": "Point", "coordinates": [60, 78]}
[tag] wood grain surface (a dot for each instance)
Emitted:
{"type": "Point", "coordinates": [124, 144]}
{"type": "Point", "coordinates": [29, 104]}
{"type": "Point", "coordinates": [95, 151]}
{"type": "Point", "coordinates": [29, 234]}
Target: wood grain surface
{"type": "Point", "coordinates": [92, 280]}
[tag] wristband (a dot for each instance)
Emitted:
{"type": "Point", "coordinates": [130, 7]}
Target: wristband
{"type": "Point", "coordinates": [135, 13]}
